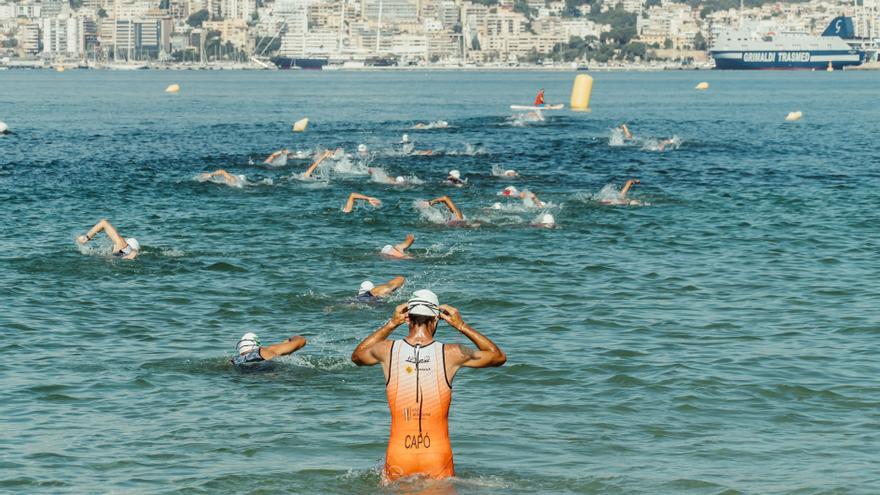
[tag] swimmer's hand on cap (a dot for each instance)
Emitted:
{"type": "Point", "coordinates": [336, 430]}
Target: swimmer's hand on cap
{"type": "Point", "coordinates": [452, 316]}
{"type": "Point", "coordinates": [400, 315]}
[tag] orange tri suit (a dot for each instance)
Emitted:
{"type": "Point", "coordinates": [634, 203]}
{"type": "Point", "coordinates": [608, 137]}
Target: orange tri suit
{"type": "Point", "coordinates": [419, 394]}
{"type": "Point", "coordinates": [539, 100]}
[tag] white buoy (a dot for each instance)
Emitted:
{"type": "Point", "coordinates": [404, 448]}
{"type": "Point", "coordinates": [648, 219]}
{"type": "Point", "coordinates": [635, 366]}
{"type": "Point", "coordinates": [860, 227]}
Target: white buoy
{"type": "Point", "coordinates": [174, 88]}
{"type": "Point", "coordinates": [300, 125]}
{"type": "Point", "coordinates": [702, 86]}
{"type": "Point", "coordinates": [792, 116]}
{"type": "Point", "coordinates": [4, 129]}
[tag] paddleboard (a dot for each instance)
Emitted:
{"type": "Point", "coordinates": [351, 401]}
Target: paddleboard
{"type": "Point", "coordinates": [532, 108]}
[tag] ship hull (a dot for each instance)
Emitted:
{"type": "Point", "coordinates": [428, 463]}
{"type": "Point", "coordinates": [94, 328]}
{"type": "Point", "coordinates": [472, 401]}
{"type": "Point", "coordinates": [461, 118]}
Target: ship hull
{"type": "Point", "coordinates": [785, 60]}
{"type": "Point", "coordinates": [302, 63]}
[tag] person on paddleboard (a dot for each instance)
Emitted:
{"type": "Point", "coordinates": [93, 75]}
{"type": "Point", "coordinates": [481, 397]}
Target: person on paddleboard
{"type": "Point", "coordinates": [418, 382]}
{"type": "Point", "coordinates": [368, 292]}
{"type": "Point", "coordinates": [250, 351]}
{"type": "Point", "coordinates": [126, 248]}
{"type": "Point", "coordinates": [539, 100]}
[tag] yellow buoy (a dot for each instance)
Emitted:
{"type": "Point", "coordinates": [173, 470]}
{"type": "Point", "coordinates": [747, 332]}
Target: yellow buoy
{"type": "Point", "coordinates": [792, 116]}
{"type": "Point", "coordinates": [702, 86]}
{"type": "Point", "coordinates": [174, 88]}
{"type": "Point", "coordinates": [580, 93]}
{"type": "Point", "coordinates": [300, 125]}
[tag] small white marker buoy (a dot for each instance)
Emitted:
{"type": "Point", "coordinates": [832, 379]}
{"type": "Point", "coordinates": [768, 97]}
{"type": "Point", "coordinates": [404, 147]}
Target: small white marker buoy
{"type": "Point", "coordinates": [702, 86]}
{"type": "Point", "coordinates": [174, 88]}
{"type": "Point", "coordinates": [792, 116]}
{"type": "Point", "coordinates": [300, 125]}
{"type": "Point", "coordinates": [4, 129]}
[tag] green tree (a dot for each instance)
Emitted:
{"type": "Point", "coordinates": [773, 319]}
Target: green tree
{"type": "Point", "coordinates": [667, 43]}
{"type": "Point", "coordinates": [652, 3]}
{"type": "Point", "coordinates": [102, 13]}
{"type": "Point", "coordinates": [700, 42]}
{"type": "Point", "coordinates": [522, 6]}
{"type": "Point", "coordinates": [75, 4]}
{"type": "Point", "coordinates": [197, 18]}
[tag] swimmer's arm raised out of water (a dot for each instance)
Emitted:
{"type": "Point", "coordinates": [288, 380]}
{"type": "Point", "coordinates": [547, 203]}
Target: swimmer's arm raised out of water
{"type": "Point", "coordinates": [349, 205]}
{"type": "Point", "coordinates": [376, 348]}
{"type": "Point", "coordinates": [628, 186]}
{"type": "Point", "coordinates": [118, 242]}
{"type": "Point", "coordinates": [487, 354]}
{"type": "Point", "coordinates": [275, 155]}
{"type": "Point", "coordinates": [324, 155]}
{"type": "Point", "coordinates": [386, 289]}
{"type": "Point", "coordinates": [626, 132]}
{"type": "Point", "coordinates": [449, 204]}
{"type": "Point", "coordinates": [289, 346]}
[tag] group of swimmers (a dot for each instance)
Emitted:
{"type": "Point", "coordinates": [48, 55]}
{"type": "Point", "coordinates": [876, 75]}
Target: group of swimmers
{"type": "Point", "coordinates": [418, 370]}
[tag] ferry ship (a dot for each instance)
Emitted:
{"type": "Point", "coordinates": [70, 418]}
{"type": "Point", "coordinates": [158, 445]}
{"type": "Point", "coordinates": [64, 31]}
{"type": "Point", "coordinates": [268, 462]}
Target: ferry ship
{"type": "Point", "coordinates": [745, 49]}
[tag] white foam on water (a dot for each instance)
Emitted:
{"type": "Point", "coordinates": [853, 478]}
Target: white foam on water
{"type": "Point", "coordinates": [617, 138]}
{"type": "Point", "coordinates": [652, 144]}
{"type": "Point", "coordinates": [430, 213]}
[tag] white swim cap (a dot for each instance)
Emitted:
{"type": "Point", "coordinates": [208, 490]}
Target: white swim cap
{"type": "Point", "coordinates": [247, 343]}
{"type": "Point", "coordinates": [547, 219]}
{"type": "Point", "coordinates": [509, 191]}
{"type": "Point", "coordinates": [510, 173]}
{"type": "Point", "coordinates": [366, 286]}
{"type": "Point", "coordinates": [133, 243]}
{"type": "Point", "coordinates": [405, 138]}
{"type": "Point", "coordinates": [362, 148]}
{"type": "Point", "coordinates": [399, 179]}
{"type": "Point", "coordinates": [455, 174]}
{"type": "Point", "coordinates": [387, 249]}
{"type": "Point", "coordinates": [423, 302]}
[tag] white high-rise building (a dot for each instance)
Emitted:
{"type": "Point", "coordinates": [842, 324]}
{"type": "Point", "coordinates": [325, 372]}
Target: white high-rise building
{"type": "Point", "coordinates": [294, 16]}
{"type": "Point", "coordinates": [392, 11]}
{"type": "Point", "coordinates": [62, 36]}
{"type": "Point", "coordinates": [237, 9]}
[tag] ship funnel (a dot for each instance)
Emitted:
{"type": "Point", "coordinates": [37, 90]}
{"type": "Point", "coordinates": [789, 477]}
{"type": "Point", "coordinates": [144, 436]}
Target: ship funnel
{"type": "Point", "coordinates": [841, 27]}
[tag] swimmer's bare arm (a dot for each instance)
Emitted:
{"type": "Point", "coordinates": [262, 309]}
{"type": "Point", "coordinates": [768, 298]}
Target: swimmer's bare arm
{"type": "Point", "coordinates": [376, 348]}
{"type": "Point", "coordinates": [118, 242]}
{"type": "Point", "coordinates": [275, 155]}
{"type": "Point", "coordinates": [487, 354]}
{"type": "Point", "coordinates": [389, 287]}
{"type": "Point", "coordinates": [403, 246]}
{"type": "Point", "coordinates": [628, 186]}
{"type": "Point", "coordinates": [349, 205]}
{"type": "Point", "coordinates": [324, 155]}
{"type": "Point", "coordinates": [449, 204]}
{"type": "Point", "coordinates": [626, 131]}
{"type": "Point", "coordinates": [289, 346]}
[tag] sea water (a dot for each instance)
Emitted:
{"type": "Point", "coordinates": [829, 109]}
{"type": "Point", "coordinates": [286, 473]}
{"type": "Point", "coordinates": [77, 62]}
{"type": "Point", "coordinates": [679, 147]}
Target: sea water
{"type": "Point", "coordinates": [722, 337]}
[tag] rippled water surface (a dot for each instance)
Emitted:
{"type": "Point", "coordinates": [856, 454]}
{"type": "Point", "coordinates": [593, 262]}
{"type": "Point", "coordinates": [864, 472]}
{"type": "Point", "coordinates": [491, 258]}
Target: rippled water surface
{"type": "Point", "coordinates": [719, 338]}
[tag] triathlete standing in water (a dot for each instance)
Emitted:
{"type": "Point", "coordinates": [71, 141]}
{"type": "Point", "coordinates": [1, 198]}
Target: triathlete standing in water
{"type": "Point", "coordinates": [418, 382]}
